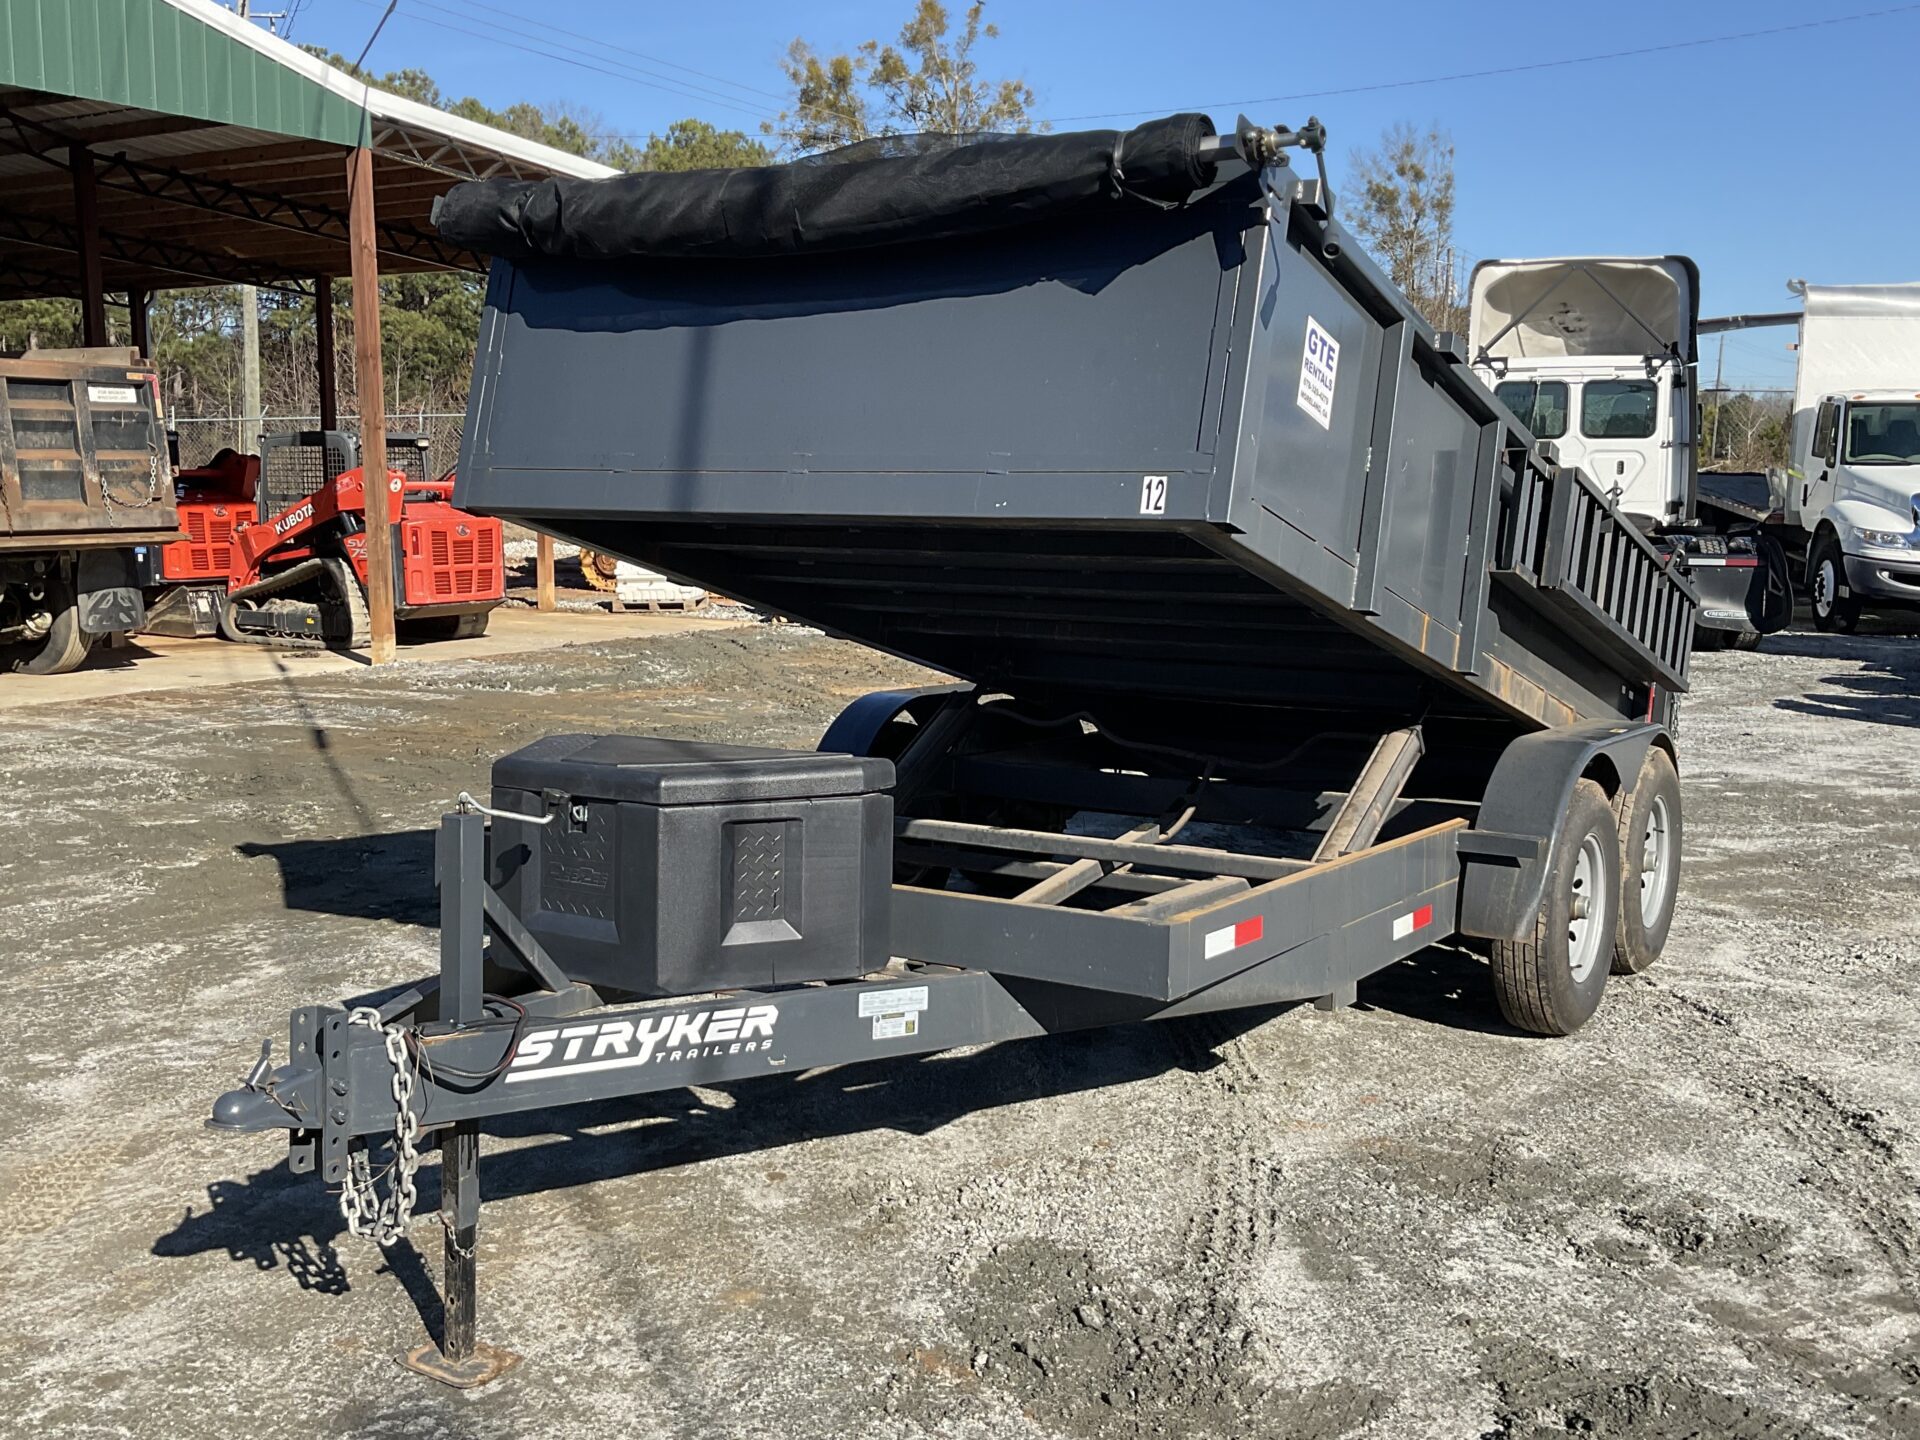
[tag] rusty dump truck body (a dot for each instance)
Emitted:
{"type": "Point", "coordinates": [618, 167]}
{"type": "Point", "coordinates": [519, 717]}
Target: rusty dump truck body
{"type": "Point", "coordinates": [84, 481]}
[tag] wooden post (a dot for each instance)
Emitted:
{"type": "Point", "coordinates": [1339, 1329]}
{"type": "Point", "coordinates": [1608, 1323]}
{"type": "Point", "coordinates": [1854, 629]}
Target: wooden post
{"type": "Point", "coordinates": [543, 574]}
{"type": "Point", "coordinates": [93, 288]}
{"type": "Point", "coordinates": [329, 366]}
{"type": "Point", "coordinates": [373, 404]}
{"type": "Point", "coordinates": [137, 329]}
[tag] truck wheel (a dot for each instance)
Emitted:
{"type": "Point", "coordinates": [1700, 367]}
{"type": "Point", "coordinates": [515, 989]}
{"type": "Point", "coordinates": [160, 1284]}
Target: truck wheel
{"type": "Point", "coordinates": [1550, 983]}
{"type": "Point", "coordinates": [66, 645]}
{"type": "Point", "coordinates": [1649, 825]}
{"type": "Point", "coordinates": [1746, 640]}
{"type": "Point", "coordinates": [1833, 612]}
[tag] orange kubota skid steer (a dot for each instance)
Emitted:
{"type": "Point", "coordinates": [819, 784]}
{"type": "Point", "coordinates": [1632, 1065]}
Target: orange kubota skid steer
{"type": "Point", "coordinates": [276, 548]}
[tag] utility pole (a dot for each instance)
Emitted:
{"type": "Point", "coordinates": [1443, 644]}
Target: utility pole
{"type": "Point", "coordinates": [250, 417]}
{"type": "Point", "coordinates": [1719, 397]}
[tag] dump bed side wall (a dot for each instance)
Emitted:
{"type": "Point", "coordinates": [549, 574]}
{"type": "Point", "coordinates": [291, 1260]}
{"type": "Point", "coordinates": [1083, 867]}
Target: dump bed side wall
{"type": "Point", "coordinates": [862, 384]}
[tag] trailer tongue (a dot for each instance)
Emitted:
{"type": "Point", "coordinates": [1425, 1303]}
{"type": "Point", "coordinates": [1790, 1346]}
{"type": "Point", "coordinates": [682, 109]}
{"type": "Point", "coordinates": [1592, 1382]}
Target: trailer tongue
{"type": "Point", "coordinates": [1281, 653]}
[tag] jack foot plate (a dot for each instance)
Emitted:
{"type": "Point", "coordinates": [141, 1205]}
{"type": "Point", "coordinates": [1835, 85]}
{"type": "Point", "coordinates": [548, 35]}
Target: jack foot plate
{"type": "Point", "coordinates": [487, 1363]}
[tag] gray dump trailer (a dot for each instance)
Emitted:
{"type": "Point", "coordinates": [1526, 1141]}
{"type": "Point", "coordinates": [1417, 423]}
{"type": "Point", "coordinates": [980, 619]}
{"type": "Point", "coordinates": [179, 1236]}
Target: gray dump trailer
{"type": "Point", "coordinates": [1278, 653]}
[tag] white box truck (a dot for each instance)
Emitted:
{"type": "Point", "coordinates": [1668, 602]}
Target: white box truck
{"type": "Point", "coordinates": [1849, 499]}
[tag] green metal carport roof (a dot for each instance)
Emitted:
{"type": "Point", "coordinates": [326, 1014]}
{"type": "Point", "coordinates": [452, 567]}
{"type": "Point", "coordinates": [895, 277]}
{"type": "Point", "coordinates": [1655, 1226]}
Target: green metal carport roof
{"type": "Point", "coordinates": [217, 152]}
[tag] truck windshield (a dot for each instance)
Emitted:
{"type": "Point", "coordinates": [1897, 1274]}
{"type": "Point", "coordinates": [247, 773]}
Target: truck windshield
{"type": "Point", "coordinates": [1540, 404]}
{"type": "Point", "coordinates": [1883, 434]}
{"type": "Point", "coordinates": [1618, 409]}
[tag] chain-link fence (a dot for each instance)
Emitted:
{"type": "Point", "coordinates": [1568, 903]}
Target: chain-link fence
{"type": "Point", "coordinates": [203, 436]}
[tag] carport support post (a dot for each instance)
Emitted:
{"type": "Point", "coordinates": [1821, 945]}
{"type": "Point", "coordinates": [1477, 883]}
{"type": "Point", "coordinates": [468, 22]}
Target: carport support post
{"type": "Point", "coordinates": [139, 334]}
{"type": "Point", "coordinates": [373, 405]}
{"type": "Point", "coordinates": [328, 361]}
{"type": "Point", "coordinates": [543, 573]}
{"type": "Point", "coordinates": [86, 214]}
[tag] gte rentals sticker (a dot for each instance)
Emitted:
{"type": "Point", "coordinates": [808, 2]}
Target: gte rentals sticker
{"type": "Point", "coordinates": [1319, 370]}
{"type": "Point", "coordinates": [646, 1040]}
{"type": "Point", "coordinates": [895, 1013]}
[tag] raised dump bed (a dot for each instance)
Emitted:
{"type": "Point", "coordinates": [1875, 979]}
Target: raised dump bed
{"type": "Point", "coordinates": [1281, 656]}
{"type": "Point", "coordinates": [1198, 453]}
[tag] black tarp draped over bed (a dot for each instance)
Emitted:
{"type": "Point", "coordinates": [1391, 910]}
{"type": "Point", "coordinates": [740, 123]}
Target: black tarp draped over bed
{"type": "Point", "coordinates": [887, 191]}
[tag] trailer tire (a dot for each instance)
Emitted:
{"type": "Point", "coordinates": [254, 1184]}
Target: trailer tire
{"type": "Point", "coordinates": [1551, 983]}
{"type": "Point", "coordinates": [66, 645]}
{"type": "Point", "coordinates": [1833, 613]}
{"type": "Point", "coordinates": [1650, 848]}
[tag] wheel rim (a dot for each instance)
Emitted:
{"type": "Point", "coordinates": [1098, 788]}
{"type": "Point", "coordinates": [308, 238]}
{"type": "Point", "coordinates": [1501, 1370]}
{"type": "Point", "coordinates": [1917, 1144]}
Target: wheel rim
{"type": "Point", "coordinates": [1826, 585]}
{"type": "Point", "coordinates": [1656, 862]}
{"type": "Point", "coordinates": [1586, 908]}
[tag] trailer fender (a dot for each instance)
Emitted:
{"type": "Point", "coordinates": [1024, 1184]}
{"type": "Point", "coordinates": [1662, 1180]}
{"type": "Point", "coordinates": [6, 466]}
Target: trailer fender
{"type": "Point", "coordinates": [858, 727]}
{"type": "Point", "coordinates": [108, 592]}
{"type": "Point", "coordinates": [1506, 857]}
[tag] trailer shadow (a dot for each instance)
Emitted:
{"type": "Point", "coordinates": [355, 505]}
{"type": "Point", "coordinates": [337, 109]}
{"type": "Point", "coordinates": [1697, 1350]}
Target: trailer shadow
{"type": "Point", "coordinates": [276, 1220]}
{"type": "Point", "coordinates": [363, 877]}
{"type": "Point", "coordinates": [1442, 985]}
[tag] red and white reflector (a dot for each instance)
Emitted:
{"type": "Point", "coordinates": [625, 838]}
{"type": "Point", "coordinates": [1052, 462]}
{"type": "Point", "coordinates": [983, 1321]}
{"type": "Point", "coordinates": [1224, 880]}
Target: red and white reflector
{"type": "Point", "coordinates": [1418, 920]}
{"type": "Point", "coordinates": [1232, 937]}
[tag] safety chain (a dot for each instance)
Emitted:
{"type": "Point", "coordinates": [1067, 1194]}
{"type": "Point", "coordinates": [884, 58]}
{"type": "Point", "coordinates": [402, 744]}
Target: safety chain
{"type": "Point", "coordinates": [386, 1219]}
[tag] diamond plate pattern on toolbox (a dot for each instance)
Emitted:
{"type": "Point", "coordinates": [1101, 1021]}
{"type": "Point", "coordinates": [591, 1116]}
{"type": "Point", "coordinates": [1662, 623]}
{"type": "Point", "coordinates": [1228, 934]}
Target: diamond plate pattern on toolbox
{"type": "Point", "coordinates": [577, 867]}
{"type": "Point", "coordinates": [759, 866]}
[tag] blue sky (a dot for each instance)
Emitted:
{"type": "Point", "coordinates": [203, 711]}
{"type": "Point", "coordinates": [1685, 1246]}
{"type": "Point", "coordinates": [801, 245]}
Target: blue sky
{"type": "Point", "coordinates": [1780, 155]}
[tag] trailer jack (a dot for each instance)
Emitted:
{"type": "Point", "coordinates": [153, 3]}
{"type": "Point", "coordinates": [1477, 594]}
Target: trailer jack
{"type": "Point", "coordinates": [325, 1076]}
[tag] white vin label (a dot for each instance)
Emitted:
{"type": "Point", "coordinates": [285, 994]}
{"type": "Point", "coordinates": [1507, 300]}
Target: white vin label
{"type": "Point", "coordinates": [895, 1013]}
{"type": "Point", "coordinates": [1153, 494]}
{"type": "Point", "coordinates": [1319, 370]}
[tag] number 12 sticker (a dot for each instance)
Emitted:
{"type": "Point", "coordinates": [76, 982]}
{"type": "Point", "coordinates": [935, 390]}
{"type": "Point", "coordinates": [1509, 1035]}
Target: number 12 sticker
{"type": "Point", "coordinates": [1153, 494]}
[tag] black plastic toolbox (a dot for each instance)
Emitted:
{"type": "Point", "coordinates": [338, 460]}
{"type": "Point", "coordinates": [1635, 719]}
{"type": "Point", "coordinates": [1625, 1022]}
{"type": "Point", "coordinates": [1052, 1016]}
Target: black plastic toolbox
{"type": "Point", "coordinates": [672, 867]}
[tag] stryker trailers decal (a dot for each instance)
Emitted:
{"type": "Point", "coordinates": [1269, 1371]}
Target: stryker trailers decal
{"type": "Point", "coordinates": [649, 1040]}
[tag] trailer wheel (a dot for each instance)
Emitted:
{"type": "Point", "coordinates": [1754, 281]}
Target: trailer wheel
{"type": "Point", "coordinates": [1550, 983]}
{"type": "Point", "coordinates": [1833, 612]}
{"type": "Point", "coordinates": [66, 645]}
{"type": "Point", "coordinates": [1650, 832]}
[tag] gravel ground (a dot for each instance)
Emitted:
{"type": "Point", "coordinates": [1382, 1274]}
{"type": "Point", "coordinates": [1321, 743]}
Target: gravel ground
{"type": "Point", "coordinates": [1696, 1218]}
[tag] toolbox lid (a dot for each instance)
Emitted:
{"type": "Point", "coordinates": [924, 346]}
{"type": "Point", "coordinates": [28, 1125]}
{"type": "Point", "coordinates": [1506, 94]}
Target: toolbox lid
{"type": "Point", "coordinates": [647, 770]}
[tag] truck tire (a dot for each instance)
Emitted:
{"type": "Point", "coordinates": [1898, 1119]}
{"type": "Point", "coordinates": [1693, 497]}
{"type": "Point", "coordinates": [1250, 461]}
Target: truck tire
{"type": "Point", "coordinates": [1551, 982]}
{"type": "Point", "coordinates": [1834, 613]}
{"type": "Point", "coordinates": [66, 645]}
{"type": "Point", "coordinates": [1650, 836]}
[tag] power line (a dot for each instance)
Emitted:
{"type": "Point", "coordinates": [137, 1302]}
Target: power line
{"type": "Point", "coordinates": [1537, 65]}
{"type": "Point", "coordinates": [523, 46]}
{"type": "Point", "coordinates": [603, 43]}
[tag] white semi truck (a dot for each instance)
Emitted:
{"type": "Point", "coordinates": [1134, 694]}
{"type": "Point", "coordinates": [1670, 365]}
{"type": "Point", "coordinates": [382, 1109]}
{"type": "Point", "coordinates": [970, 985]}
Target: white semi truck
{"type": "Point", "coordinates": [1598, 357]}
{"type": "Point", "coordinates": [1848, 503]}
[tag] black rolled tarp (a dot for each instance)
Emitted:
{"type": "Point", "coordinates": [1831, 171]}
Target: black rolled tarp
{"type": "Point", "coordinates": [888, 191]}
